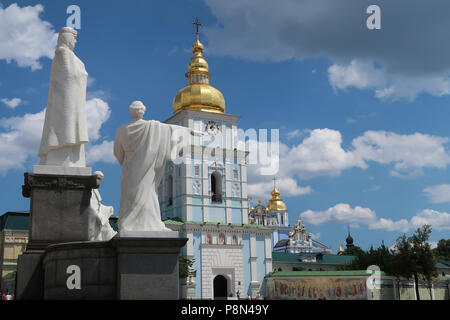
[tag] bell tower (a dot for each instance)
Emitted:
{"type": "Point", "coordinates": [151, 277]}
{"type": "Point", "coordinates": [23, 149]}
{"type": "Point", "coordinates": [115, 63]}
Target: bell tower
{"type": "Point", "coordinates": [203, 194]}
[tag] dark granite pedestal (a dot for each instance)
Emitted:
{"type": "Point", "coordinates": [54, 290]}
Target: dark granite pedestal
{"type": "Point", "coordinates": [59, 212]}
{"type": "Point", "coordinates": [122, 268]}
{"type": "Point", "coordinates": [130, 267]}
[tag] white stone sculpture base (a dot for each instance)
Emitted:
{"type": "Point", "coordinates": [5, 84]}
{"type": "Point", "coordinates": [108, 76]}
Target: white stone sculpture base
{"type": "Point", "coordinates": [148, 234]}
{"type": "Point", "coordinates": [61, 170]}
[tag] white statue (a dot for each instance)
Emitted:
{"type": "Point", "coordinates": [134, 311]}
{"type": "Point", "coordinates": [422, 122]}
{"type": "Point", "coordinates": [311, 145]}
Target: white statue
{"type": "Point", "coordinates": [143, 147]}
{"type": "Point", "coordinates": [65, 129]}
{"type": "Point", "coordinates": [99, 227]}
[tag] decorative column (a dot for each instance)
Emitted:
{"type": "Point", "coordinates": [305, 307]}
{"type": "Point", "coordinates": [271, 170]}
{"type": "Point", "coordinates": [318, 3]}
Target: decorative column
{"type": "Point", "coordinates": [254, 284]}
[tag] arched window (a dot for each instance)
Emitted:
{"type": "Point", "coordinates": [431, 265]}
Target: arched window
{"type": "Point", "coordinates": [216, 186]}
{"type": "Point", "coordinates": [169, 191]}
{"type": "Point", "coordinates": [208, 239]}
{"type": "Point", "coordinates": [235, 240]}
{"type": "Point", "coordinates": [222, 239]}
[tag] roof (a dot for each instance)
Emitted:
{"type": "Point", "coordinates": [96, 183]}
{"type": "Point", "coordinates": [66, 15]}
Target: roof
{"type": "Point", "coordinates": [285, 242]}
{"type": "Point", "coordinates": [319, 273]}
{"type": "Point", "coordinates": [15, 220]}
{"type": "Point", "coordinates": [12, 220]}
{"type": "Point", "coordinates": [287, 257]}
{"type": "Point", "coordinates": [282, 243]}
{"type": "Point", "coordinates": [443, 264]}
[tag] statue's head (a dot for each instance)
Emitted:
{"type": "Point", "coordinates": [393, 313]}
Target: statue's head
{"type": "Point", "coordinates": [99, 175]}
{"type": "Point", "coordinates": [67, 37]}
{"type": "Point", "coordinates": [137, 110]}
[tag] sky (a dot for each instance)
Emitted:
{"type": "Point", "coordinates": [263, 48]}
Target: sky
{"type": "Point", "coordinates": [362, 114]}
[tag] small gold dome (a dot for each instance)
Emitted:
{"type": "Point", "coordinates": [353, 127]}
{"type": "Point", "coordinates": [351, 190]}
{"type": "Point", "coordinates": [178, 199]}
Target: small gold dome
{"type": "Point", "coordinates": [276, 204]}
{"type": "Point", "coordinates": [198, 94]}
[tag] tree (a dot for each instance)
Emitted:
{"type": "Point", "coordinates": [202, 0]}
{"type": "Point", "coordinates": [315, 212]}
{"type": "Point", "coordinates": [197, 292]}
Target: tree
{"type": "Point", "coordinates": [413, 257]}
{"type": "Point", "coordinates": [442, 252]}
{"type": "Point", "coordinates": [184, 267]}
{"type": "Point", "coordinates": [380, 257]}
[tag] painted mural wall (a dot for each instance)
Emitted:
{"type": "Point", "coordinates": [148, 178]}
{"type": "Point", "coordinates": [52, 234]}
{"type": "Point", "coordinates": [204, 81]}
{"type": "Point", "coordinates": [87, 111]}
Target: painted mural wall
{"type": "Point", "coordinates": [314, 288]}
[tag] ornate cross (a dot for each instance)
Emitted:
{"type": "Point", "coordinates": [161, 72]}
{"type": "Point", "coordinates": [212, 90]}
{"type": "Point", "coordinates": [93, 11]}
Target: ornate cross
{"type": "Point", "coordinates": [197, 24]}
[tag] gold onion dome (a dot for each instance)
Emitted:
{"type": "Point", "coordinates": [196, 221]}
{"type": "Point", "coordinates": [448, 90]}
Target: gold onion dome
{"type": "Point", "coordinates": [198, 94]}
{"type": "Point", "coordinates": [276, 204]}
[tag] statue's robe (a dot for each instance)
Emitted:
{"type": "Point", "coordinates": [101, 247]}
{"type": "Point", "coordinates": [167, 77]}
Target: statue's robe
{"type": "Point", "coordinates": [143, 147]}
{"type": "Point", "coordinates": [99, 227]}
{"type": "Point", "coordinates": [65, 118]}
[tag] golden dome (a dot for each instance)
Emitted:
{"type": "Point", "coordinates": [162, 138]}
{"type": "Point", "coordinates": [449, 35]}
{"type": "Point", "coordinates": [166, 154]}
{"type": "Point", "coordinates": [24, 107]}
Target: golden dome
{"type": "Point", "coordinates": [276, 204]}
{"type": "Point", "coordinates": [198, 94]}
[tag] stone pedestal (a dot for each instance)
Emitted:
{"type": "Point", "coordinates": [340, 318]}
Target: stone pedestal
{"type": "Point", "coordinates": [59, 212]}
{"type": "Point", "coordinates": [58, 207]}
{"type": "Point", "coordinates": [122, 268]}
{"type": "Point", "coordinates": [30, 276]}
{"type": "Point", "coordinates": [147, 268]}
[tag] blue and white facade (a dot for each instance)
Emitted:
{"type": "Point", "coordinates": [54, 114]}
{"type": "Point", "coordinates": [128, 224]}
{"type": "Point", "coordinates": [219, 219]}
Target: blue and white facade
{"type": "Point", "coordinates": [204, 194]}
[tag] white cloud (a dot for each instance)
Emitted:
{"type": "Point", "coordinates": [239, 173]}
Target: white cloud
{"type": "Point", "coordinates": [344, 213]}
{"type": "Point", "coordinates": [24, 37]}
{"type": "Point", "coordinates": [12, 103]}
{"type": "Point", "coordinates": [410, 55]}
{"type": "Point", "coordinates": [20, 140]}
{"type": "Point", "coordinates": [294, 133]}
{"type": "Point", "coordinates": [438, 193]}
{"type": "Point", "coordinates": [321, 154]}
{"type": "Point", "coordinates": [97, 113]}
{"type": "Point", "coordinates": [21, 136]}
{"type": "Point", "coordinates": [288, 187]}
{"type": "Point", "coordinates": [408, 153]}
{"type": "Point", "coordinates": [356, 74]}
{"type": "Point", "coordinates": [387, 86]}
{"type": "Point", "coordinates": [100, 153]}
{"type": "Point", "coordinates": [341, 212]}
{"type": "Point", "coordinates": [438, 220]}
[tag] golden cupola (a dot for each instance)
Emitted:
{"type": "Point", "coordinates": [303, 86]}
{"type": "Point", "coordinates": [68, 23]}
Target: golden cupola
{"type": "Point", "coordinates": [276, 204]}
{"type": "Point", "coordinates": [198, 94]}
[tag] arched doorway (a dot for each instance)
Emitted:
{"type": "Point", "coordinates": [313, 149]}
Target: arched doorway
{"type": "Point", "coordinates": [220, 287]}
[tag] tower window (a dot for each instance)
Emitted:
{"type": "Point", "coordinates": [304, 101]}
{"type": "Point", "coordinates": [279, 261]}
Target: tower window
{"type": "Point", "coordinates": [235, 174]}
{"type": "Point", "coordinates": [216, 187]}
{"type": "Point", "coordinates": [197, 170]}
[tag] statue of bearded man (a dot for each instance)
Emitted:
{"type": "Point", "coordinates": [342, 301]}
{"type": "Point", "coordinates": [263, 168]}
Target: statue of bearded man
{"type": "Point", "coordinates": [65, 128]}
{"type": "Point", "coordinates": [143, 147]}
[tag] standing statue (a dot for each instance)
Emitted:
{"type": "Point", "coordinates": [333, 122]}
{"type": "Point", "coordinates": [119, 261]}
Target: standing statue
{"type": "Point", "coordinates": [65, 129]}
{"type": "Point", "coordinates": [99, 214]}
{"type": "Point", "coordinates": [143, 147]}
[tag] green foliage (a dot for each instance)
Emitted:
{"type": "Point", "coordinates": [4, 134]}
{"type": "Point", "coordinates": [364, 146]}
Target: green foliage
{"type": "Point", "coordinates": [353, 251]}
{"type": "Point", "coordinates": [381, 257]}
{"type": "Point", "coordinates": [414, 258]}
{"type": "Point", "coordinates": [442, 252]}
{"type": "Point", "coordinates": [184, 267]}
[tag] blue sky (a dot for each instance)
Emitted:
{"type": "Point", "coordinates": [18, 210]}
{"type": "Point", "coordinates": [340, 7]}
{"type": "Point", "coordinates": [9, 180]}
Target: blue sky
{"type": "Point", "coordinates": [363, 114]}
